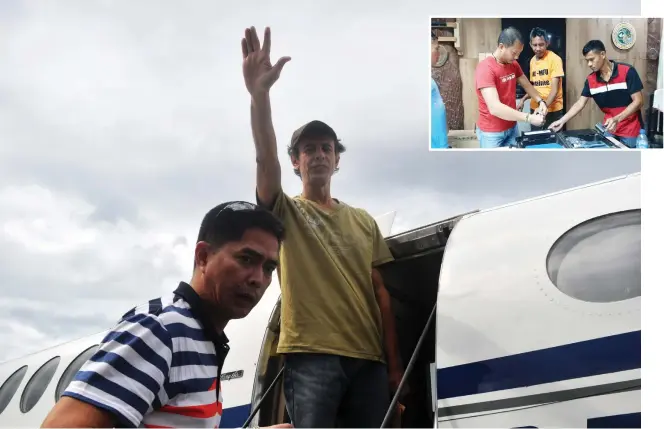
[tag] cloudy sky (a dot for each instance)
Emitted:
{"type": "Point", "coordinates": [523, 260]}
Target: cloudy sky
{"type": "Point", "coordinates": [122, 123]}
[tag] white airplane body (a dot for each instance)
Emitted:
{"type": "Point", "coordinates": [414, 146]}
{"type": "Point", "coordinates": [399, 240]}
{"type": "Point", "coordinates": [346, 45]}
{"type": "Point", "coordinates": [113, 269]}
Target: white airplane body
{"type": "Point", "coordinates": [508, 347]}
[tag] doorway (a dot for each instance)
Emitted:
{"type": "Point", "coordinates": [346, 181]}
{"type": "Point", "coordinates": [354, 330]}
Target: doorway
{"type": "Point", "coordinates": [556, 28]}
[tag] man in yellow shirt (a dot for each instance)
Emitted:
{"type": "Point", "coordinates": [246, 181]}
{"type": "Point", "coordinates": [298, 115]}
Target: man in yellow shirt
{"type": "Point", "coordinates": [337, 328]}
{"type": "Point", "coordinates": [546, 74]}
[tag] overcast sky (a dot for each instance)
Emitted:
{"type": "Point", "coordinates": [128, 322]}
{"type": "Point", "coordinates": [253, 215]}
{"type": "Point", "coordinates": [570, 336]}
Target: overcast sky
{"type": "Point", "coordinates": [122, 124]}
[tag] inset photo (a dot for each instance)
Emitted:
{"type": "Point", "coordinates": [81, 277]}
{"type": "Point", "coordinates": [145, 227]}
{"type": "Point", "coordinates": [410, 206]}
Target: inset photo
{"type": "Point", "coordinates": [546, 83]}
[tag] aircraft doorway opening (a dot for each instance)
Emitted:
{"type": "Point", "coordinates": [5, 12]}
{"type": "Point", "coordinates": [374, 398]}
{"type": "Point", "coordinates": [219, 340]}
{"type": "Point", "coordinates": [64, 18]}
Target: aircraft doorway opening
{"type": "Point", "coordinates": [412, 280]}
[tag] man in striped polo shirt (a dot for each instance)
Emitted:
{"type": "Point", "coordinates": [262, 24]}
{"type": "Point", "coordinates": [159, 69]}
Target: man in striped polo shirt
{"type": "Point", "coordinates": [616, 88]}
{"type": "Point", "coordinates": [160, 365]}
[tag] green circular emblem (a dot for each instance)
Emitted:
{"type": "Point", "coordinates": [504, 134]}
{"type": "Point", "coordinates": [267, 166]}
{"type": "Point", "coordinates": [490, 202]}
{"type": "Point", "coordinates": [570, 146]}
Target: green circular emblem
{"type": "Point", "coordinates": [624, 35]}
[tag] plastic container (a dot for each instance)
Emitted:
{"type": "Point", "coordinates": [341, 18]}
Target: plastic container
{"type": "Point", "coordinates": [642, 140]}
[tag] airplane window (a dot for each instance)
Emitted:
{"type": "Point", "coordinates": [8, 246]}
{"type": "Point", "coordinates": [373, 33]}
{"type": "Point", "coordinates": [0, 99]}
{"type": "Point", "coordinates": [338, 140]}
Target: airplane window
{"type": "Point", "coordinates": [10, 386]}
{"type": "Point", "coordinates": [600, 259]}
{"type": "Point", "coordinates": [72, 369]}
{"type": "Point", "coordinates": [38, 383]}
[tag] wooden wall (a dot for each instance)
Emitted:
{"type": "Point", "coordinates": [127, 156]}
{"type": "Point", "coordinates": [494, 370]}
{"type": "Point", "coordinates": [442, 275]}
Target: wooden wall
{"type": "Point", "coordinates": [579, 32]}
{"type": "Point", "coordinates": [478, 35]}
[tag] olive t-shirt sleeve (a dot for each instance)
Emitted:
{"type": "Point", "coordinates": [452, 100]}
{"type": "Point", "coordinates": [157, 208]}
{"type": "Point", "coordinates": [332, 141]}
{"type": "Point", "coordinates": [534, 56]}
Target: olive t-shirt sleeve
{"type": "Point", "coordinates": [279, 205]}
{"type": "Point", "coordinates": [381, 252]}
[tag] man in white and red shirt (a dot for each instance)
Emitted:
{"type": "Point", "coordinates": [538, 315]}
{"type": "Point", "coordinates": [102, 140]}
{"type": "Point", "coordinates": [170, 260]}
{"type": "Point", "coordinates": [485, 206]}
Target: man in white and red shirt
{"type": "Point", "coordinates": [160, 365]}
{"type": "Point", "coordinates": [495, 83]}
{"type": "Point", "coordinates": [616, 88]}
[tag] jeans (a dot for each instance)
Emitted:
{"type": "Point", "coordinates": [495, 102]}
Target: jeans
{"type": "Point", "coordinates": [497, 139]}
{"type": "Point", "coordinates": [627, 141]}
{"type": "Point", "coordinates": [326, 391]}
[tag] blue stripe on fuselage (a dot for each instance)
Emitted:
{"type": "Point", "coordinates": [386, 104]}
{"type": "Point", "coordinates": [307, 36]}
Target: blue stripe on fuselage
{"type": "Point", "coordinates": [235, 417]}
{"type": "Point", "coordinates": [632, 420]}
{"type": "Point", "coordinates": [598, 356]}
{"type": "Point", "coordinates": [583, 359]}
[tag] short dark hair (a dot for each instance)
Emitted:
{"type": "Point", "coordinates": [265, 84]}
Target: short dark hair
{"type": "Point", "coordinates": [229, 221]}
{"type": "Point", "coordinates": [538, 32]}
{"type": "Point", "coordinates": [594, 45]}
{"type": "Point", "coordinates": [510, 36]}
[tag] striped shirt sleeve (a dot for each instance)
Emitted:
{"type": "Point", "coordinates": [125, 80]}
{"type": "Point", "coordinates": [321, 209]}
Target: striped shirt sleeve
{"type": "Point", "coordinates": [126, 375]}
{"type": "Point", "coordinates": [633, 80]}
{"type": "Point", "coordinates": [585, 92]}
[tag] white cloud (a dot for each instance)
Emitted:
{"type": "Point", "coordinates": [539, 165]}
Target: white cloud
{"type": "Point", "coordinates": [35, 219]}
{"type": "Point", "coordinates": [122, 123]}
{"type": "Point", "coordinates": [65, 275]}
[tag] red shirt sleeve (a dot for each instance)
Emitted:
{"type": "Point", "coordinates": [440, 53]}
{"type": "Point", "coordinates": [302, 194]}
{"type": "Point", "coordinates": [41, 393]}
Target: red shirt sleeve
{"type": "Point", "coordinates": [484, 77]}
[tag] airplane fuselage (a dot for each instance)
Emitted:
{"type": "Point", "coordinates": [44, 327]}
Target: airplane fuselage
{"type": "Point", "coordinates": [537, 322]}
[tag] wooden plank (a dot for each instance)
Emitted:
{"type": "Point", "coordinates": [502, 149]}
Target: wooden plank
{"type": "Point", "coordinates": [467, 68]}
{"type": "Point", "coordinates": [479, 35]}
{"type": "Point", "coordinates": [457, 33]}
{"type": "Point", "coordinates": [447, 39]}
{"type": "Point", "coordinates": [445, 25]}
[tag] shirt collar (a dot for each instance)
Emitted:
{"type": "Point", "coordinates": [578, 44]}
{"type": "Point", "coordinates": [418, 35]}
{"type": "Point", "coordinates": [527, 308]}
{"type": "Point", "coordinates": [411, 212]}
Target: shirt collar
{"type": "Point", "coordinates": [614, 72]}
{"type": "Point", "coordinates": [186, 292]}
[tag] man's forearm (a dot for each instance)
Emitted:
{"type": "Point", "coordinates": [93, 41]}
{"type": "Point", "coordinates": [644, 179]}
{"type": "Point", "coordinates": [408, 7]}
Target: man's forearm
{"type": "Point", "coordinates": [576, 108]}
{"type": "Point", "coordinates": [634, 106]}
{"type": "Point", "coordinates": [262, 128]}
{"type": "Point", "coordinates": [390, 340]}
{"type": "Point", "coordinates": [268, 177]}
{"type": "Point", "coordinates": [506, 113]}
{"type": "Point", "coordinates": [554, 91]}
{"type": "Point", "coordinates": [530, 90]}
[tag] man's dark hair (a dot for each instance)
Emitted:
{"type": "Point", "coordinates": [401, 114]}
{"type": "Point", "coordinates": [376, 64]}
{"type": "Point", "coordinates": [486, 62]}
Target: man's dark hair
{"type": "Point", "coordinates": [510, 36]}
{"type": "Point", "coordinates": [338, 146]}
{"type": "Point", "coordinates": [594, 45]}
{"type": "Point", "coordinates": [538, 32]}
{"type": "Point", "coordinates": [228, 222]}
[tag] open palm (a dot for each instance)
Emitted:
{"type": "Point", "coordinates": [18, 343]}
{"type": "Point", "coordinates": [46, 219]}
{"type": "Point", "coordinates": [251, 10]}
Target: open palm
{"type": "Point", "coordinates": [259, 73]}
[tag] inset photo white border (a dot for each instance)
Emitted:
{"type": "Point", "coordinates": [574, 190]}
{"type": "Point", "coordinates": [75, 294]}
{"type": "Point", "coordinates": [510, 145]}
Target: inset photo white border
{"type": "Point", "coordinates": [582, 137]}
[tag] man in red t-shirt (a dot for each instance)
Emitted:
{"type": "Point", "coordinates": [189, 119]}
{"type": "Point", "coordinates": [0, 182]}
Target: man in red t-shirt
{"type": "Point", "coordinates": [495, 83]}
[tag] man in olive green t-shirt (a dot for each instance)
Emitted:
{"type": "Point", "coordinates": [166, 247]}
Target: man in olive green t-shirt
{"type": "Point", "coordinates": [337, 328]}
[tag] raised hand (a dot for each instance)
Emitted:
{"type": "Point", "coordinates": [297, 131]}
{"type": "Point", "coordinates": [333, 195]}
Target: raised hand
{"type": "Point", "coordinates": [259, 73]}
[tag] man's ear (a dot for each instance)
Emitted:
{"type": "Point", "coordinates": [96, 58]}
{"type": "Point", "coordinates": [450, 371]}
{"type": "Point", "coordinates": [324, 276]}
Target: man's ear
{"type": "Point", "coordinates": [201, 255]}
{"type": "Point", "coordinates": [296, 165]}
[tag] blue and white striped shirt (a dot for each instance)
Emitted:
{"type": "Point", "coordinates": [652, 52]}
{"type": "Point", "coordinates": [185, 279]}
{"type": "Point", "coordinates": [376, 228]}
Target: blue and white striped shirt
{"type": "Point", "coordinates": [159, 367]}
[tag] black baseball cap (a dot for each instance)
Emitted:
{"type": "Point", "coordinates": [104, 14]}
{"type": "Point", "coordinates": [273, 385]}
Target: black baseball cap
{"type": "Point", "coordinates": [314, 128]}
